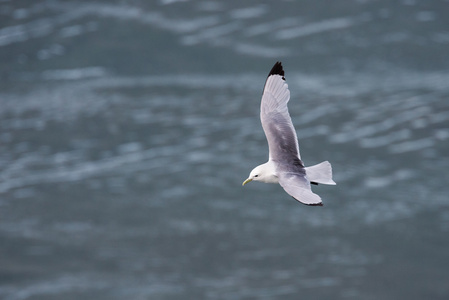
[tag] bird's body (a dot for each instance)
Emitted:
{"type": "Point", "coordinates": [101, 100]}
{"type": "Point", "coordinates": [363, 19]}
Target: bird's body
{"type": "Point", "coordinates": [284, 164]}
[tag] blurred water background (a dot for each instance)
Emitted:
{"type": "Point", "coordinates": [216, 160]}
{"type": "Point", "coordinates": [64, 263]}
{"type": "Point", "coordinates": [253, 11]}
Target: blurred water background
{"type": "Point", "coordinates": [127, 128]}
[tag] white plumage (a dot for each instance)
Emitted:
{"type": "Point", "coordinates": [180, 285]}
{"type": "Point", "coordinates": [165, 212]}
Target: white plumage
{"type": "Point", "coordinates": [284, 164]}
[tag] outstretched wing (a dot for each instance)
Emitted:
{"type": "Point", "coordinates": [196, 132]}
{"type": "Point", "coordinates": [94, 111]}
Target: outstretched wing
{"type": "Point", "coordinates": [276, 121]}
{"type": "Point", "coordinates": [282, 140]}
{"type": "Point", "coordinates": [297, 186]}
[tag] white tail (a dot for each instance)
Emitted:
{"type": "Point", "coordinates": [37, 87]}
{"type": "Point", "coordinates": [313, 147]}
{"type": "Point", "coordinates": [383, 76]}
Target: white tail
{"type": "Point", "coordinates": [320, 173]}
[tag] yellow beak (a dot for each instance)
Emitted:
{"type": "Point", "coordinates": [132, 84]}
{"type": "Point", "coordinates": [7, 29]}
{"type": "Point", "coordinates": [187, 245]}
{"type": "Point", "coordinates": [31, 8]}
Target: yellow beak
{"type": "Point", "coordinates": [246, 181]}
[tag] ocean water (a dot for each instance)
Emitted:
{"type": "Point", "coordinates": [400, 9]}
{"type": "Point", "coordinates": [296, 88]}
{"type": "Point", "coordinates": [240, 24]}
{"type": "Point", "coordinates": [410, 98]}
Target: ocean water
{"type": "Point", "coordinates": [127, 128]}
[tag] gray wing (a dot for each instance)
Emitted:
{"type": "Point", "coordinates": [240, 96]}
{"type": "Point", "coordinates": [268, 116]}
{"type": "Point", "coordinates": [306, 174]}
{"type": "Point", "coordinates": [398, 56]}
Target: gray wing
{"type": "Point", "coordinates": [282, 140]}
{"type": "Point", "coordinates": [276, 121]}
{"type": "Point", "coordinates": [297, 186]}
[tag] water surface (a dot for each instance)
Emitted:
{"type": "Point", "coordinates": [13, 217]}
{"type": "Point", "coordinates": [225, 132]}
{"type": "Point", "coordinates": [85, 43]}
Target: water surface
{"type": "Point", "coordinates": [127, 127]}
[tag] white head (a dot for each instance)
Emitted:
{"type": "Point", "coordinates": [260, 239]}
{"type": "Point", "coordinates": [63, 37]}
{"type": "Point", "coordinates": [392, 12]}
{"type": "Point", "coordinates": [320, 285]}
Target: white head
{"type": "Point", "coordinates": [264, 173]}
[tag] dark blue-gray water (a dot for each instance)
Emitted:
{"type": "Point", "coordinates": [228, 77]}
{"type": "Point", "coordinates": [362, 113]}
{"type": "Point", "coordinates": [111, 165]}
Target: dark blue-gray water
{"type": "Point", "coordinates": [127, 128]}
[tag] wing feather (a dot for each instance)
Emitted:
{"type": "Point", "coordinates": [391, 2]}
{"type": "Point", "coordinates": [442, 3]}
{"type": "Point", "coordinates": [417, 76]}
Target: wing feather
{"type": "Point", "coordinates": [282, 140]}
{"type": "Point", "coordinates": [298, 187]}
{"type": "Point", "coordinates": [275, 118]}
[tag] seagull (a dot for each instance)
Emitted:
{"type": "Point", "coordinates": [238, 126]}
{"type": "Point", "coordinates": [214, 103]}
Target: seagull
{"type": "Point", "coordinates": [284, 165]}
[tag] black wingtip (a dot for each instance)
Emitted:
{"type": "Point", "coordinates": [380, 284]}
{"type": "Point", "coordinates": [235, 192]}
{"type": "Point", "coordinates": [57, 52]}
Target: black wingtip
{"type": "Point", "coordinates": [277, 70]}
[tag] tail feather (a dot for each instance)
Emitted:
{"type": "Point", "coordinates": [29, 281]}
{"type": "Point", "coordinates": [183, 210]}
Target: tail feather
{"type": "Point", "coordinates": [320, 173]}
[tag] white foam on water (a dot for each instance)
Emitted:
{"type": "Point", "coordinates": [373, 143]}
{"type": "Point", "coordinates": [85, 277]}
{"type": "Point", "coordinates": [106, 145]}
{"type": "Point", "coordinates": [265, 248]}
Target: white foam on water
{"type": "Point", "coordinates": [210, 34]}
{"type": "Point", "coordinates": [261, 51]}
{"type": "Point", "coordinates": [442, 134]}
{"type": "Point", "coordinates": [315, 28]}
{"type": "Point", "coordinates": [426, 16]}
{"type": "Point", "coordinates": [266, 28]}
{"type": "Point", "coordinates": [13, 176]}
{"type": "Point", "coordinates": [75, 30]}
{"type": "Point", "coordinates": [249, 12]}
{"type": "Point", "coordinates": [409, 146]}
{"type": "Point", "coordinates": [361, 131]}
{"type": "Point", "coordinates": [49, 288]}
{"type": "Point", "coordinates": [387, 139]}
{"type": "Point", "coordinates": [74, 74]}
{"type": "Point", "coordinates": [389, 179]}
{"type": "Point", "coordinates": [167, 2]}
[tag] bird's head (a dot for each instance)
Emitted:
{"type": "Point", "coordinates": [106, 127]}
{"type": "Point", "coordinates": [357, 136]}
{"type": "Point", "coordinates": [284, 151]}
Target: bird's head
{"type": "Point", "coordinates": [254, 175]}
{"type": "Point", "coordinates": [263, 173]}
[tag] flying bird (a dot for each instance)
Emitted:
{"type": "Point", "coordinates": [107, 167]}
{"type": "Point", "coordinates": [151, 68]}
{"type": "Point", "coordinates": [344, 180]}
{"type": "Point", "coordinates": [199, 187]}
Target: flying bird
{"type": "Point", "coordinates": [284, 164]}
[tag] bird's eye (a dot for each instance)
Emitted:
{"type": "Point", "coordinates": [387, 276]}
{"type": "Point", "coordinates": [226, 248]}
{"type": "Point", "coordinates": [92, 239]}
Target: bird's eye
{"type": "Point", "coordinates": [256, 175]}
